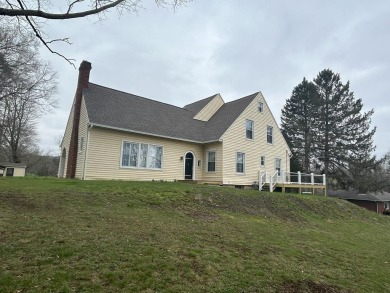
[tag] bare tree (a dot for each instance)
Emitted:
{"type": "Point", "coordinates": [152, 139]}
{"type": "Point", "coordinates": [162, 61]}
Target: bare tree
{"type": "Point", "coordinates": [27, 88]}
{"type": "Point", "coordinates": [30, 13]}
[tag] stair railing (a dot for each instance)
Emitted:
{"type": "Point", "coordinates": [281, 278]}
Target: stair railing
{"type": "Point", "coordinates": [262, 180]}
{"type": "Point", "coordinates": [272, 181]}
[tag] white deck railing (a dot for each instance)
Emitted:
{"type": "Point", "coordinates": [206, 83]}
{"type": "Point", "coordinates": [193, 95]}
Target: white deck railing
{"type": "Point", "coordinates": [290, 178]}
{"type": "Point", "coordinates": [302, 178]}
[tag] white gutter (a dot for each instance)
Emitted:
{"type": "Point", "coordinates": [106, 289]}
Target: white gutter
{"type": "Point", "coordinates": [150, 134]}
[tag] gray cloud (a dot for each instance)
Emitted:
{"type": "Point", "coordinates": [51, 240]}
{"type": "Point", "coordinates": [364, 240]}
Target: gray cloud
{"type": "Point", "coordinates": [235, 48]}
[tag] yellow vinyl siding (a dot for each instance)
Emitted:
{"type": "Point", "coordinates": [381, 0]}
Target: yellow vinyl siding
{"type": "Point", "coordinates": [66, 140]}
{"type": "Point", "coordinates": [234, 140]}
{"type": "Point", "coordinates": [217, 175]}
{"type": "Point", "coordinates": [83, 126]}
{"type": "Point", "coordinates": [104, 155]}
{"type": "Point", "coordinates": [209, 110]}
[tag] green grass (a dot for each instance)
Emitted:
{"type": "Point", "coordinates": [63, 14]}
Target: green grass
{"type": "Point", "coordinates": [113, 236]}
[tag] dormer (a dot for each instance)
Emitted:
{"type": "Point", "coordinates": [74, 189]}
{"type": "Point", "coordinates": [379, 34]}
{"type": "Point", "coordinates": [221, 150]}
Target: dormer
{"type": "Point", "coordinates": [205, 109]}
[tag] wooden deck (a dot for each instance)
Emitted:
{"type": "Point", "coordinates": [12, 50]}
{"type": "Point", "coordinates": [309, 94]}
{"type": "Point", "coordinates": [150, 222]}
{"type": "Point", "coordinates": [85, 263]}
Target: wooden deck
{"type": "Point", "coordinates": [301, 188]}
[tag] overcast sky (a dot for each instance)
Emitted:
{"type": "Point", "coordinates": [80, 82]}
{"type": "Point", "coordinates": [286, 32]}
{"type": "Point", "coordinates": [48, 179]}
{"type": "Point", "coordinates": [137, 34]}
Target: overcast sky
{"type": "Point", "coordinates": [234, 48]}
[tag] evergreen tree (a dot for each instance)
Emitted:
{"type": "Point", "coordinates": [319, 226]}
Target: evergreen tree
{"type": "Point", "coordinates": [343, 133]}
{"type": "Point", "coordinates": [328, 132]}
{"type": "Point", "coordinates": [299, 120]}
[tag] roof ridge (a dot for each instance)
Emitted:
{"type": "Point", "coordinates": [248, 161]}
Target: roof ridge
{"type": "Point", "coordinates": [254, 94]}
{"type": "Point", "coordinates": [212, 96]}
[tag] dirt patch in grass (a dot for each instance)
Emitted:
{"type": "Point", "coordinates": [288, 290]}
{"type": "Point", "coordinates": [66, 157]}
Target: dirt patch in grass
{"type": "Point", "coordinates": [305, 286]}
{"type": "Point", "coordinates": [261, 205]}
{"type": "Point", "coordinates": [21, 203]}
{"type": "Point", "coordinates": [18, 202]}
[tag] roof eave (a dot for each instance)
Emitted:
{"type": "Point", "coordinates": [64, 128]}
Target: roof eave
{"type": "Point", "coordinates": [147, 133]}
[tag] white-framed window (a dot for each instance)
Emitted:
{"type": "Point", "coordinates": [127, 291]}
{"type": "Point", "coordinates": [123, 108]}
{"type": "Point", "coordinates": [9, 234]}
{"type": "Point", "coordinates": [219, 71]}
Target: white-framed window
{"type": "Point", "coordinates": [260, 107]}
{"type": "Point", "coordinates": [240, 162]}
{"type": "Point", "coordinates": [262, 161]}
{"type": "Point", "coordinates": [141, 155]}
{"type": "Point", "coordinates": [81, 144]}
{"type": "Point", "coordinates": [387, 205]}
{"type": "Point", "coordinates": [154, 156]}
{"type": "Point", "coordinates": [210, 161]}
{"type": "Point", "coordinates": [249, 129]}
{"type": "Point", "coordinates": [278, 164]}
{"type": "Point", "coordinates": [269, 134]}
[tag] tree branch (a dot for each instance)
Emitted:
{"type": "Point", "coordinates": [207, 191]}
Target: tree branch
{"type": "Point", "coordinates": [67, 15]}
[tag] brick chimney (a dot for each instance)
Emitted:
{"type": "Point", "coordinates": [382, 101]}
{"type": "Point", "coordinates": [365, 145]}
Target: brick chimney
{"type": "Point", "coordinates": [84, 70]}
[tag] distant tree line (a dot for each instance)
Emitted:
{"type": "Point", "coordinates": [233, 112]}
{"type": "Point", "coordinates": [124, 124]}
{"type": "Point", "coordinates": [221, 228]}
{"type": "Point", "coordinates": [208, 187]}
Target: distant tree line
{"type": "Point", "coordinates": [27, 88]}
{"type": "Point", "coordinates": [329, 133]}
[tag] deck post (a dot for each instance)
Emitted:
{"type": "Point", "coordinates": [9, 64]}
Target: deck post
{"type": "Point", "coordinates": [323, 179]}
{"type": "Point", "coordinates": [270, 184]}
{"type": "Point", "coordinates": [312, 178]}
{"type": "Point", "coordinates": [282, 174]}
{"type": "Point", "coordinates": [259, 180]}
{"type": "Point", "coordinates": [299, 177]}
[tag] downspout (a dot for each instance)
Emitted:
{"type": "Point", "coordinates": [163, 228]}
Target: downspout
{"type": "Point", "coordinates": [86, 151]}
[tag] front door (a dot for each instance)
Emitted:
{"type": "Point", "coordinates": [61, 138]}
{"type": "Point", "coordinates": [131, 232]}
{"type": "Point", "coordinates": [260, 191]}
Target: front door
{"type": "Point", "coordinates": [189, 166]}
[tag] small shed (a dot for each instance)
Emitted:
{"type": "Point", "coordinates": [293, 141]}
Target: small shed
{"type": "Point", "coordinates": [12, 169]}
{"type": "Point", "coordinates": [373, 201]}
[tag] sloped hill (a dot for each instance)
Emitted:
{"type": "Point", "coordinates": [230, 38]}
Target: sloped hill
{"type": "Point", "coordinates": [110, 236]}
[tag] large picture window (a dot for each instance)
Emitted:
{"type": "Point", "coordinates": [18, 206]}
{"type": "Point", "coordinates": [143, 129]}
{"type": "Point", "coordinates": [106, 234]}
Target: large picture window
{"type": "Point", "coordinates": [249, 129]}
{"type": "Point", "coordinates": [269, 134]}
{"type": "Point", "coordinates": [140, 155]}
{"type": "Point", "coordinates": [240, 162]}
{"type": "Point", "coordinates": [211, 161]}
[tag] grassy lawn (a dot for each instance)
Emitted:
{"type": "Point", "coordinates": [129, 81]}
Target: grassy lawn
{"type": "Point", "coordinates": [110, 236]}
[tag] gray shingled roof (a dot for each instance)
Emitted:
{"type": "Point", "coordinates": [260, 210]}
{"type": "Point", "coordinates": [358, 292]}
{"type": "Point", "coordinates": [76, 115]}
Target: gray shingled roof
{"type": "Point", "coordinates": [225, 116]}
{"type": "Point", "coordinates": [354, 195]}
{"type": "Point", "coordinates": [115, 109]}
{"type": "Point", "coordinates": [16, 165]}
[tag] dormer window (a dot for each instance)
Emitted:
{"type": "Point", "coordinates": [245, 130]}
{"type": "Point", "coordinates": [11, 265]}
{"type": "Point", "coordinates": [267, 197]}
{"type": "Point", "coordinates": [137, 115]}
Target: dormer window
{"type": "Point", "coordinates": [261, 107]}
{"type": "Point", "coordinates": [249, 129]}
